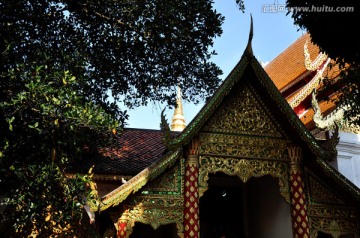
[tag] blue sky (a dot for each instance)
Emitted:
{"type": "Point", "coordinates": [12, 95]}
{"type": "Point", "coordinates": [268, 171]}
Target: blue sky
{"type": "Point", "coordinates": [273, 32]}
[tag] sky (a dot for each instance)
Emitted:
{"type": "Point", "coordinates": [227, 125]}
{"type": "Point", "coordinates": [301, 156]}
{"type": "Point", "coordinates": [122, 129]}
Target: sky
{"type": "Point", "coordinates": [273, 33]}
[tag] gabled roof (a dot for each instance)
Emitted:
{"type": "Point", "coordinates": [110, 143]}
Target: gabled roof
{"type": "Point", "coordinates": [288, 72]}
{"type": "Point", "coordinates": [248, 60]}
{"type": "Point", "coordinates": [289, 65]}
{"type": "Point", "coordinates": [247, 63]}
{"type": "Point", "coordinates": [138, 148]}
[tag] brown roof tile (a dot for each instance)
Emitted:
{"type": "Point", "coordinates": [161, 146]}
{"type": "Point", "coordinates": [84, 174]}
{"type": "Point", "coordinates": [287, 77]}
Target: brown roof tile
{"type": "Point", "coordinates": [289, 65]}
{"type": "Point", "coordinates": [139, 148]}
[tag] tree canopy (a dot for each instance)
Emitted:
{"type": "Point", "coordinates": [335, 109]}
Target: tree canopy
{"type": "Point", "coordinates": [331, 24]}
{"type": "Point", "coordinates": [134, 50]}
{"type": "Point", "coordinates": [66, 67]}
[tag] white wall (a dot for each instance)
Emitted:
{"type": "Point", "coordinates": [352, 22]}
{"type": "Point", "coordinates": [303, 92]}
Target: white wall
{"type": "Point", "coordinates": [348, 160]}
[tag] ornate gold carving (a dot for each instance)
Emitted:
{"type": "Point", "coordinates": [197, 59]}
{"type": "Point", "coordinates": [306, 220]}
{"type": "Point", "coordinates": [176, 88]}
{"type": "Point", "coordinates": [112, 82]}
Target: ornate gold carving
{"type": "Point", "coordinates": [193, 147]}
{"type": "Point", "coordinates": [327, 211]}
{"type": "Point", "coordinates": [335, 227]}
{"type": "Point", "coordinates": [242, 146]}
{"type": "Point", "coordinates": [168, 183]}
{"type": "Point", "coordinates": [121, 193]}
{"type": "Point", "coordinates": [319, 192]}
{"type": "Point", "coordinates": [295, 154]}
{"type": "Point", "coordinates": [192, 160]}
{"type": "Point", "coordinates": [155, 211]}
{"type": "Point", "coordinates": [337, 212]}
{"type": "Point", "coordinates": [313, 65]}
{"type": "Point", "coordinates": [155, 216]}
{"type": "Point", "coordinates": [243, 113]}
{"type": "Point", "coordinates": [244, 169]}
{"type": "Point", "coordinates": [156, 201]}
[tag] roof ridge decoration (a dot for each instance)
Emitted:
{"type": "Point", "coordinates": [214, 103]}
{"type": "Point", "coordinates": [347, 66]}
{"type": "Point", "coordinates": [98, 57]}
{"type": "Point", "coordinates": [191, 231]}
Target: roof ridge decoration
{"type": "Point", "coordinates": [318, 65]}
{"type": "Point", "coordinates": [313, 65]}
{"type": "Point", "coordinates": [135, 183]}
{"type": "Point", "coordinates": [326, 123]}
{"type": "Point", "coordinates": [309, 87]}
{"type": "Point", "coordinates": [248, 49]}
{"type": "Point", "coordinates": [334, 119]}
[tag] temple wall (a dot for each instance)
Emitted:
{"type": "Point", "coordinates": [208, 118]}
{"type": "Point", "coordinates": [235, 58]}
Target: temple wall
{"type": "Point", "coordinates": [348, 160]}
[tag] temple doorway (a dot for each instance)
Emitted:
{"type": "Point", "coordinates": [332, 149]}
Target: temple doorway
{"type": "Point", "coordinates": [233, 209]}
{"type": "Point", "coordinates": [221, 208]}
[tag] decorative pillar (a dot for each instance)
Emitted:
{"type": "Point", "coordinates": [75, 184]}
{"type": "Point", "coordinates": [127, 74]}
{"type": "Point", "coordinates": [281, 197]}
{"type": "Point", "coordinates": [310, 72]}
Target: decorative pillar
{"type": "Point", "coordinates": [300, 221]}
{"type": "Point", "coordinates": [122, 225]}
{"type": "Point", "coordinates": [191, 194]}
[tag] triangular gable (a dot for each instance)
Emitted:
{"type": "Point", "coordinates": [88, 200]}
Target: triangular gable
{"type": "Point", "coordinates": [249, 62]}
{"type": "Point", "coordinates": [243, 113]}
{"type": "Point", "coordinates": [202, 121]}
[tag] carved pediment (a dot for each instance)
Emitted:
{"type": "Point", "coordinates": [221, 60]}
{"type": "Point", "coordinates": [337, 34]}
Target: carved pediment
{"type": "Point", "coordinates": [168, 183]}
{"type": "Point", "coordinates": [321, 193]}
{"type": "Point", "coordinates": [243, 113]}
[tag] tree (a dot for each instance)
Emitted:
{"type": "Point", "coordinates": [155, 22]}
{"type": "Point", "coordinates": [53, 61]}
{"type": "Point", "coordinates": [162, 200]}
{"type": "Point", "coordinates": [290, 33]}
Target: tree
{"type": "Point", "coordinates": [45, 126]}
{"type": "Point", "coordinates": [332, 26]}
{"type": "Point", "coordinates": [65, 67]}
{"type": "Point", "coordinates": [136, 50]}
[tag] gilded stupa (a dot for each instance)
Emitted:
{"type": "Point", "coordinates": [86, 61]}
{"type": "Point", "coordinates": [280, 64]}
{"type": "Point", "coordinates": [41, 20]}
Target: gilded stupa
{"type": "Point", "coordinates": [178, 119]}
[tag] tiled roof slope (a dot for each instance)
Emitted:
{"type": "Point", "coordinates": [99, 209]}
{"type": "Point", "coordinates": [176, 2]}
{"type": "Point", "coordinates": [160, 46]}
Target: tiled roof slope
{"type": "Point", "coordinates": [139, 148]}
{"type": "Point", "coordinates": [289, 65]}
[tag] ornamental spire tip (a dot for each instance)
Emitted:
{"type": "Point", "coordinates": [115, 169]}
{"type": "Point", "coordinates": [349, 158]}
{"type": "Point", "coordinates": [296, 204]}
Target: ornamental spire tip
{"type": "Point", "coordinates": [249, 50]}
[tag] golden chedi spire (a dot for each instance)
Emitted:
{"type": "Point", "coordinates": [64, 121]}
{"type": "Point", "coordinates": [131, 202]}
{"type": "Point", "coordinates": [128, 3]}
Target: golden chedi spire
{"type": "Point", "coordinates": [178, 120]}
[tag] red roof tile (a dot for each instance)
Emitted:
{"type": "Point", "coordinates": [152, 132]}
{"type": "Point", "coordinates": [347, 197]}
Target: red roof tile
{"type": "Point", "coordinates": [138, 149]}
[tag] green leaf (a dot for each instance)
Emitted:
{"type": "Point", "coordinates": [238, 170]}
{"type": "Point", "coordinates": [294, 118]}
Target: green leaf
{"type": "Point", "coordinates": [10, 121]}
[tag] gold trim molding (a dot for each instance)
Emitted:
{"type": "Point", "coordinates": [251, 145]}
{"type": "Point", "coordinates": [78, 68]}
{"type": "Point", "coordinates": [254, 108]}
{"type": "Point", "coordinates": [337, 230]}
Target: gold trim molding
{"type": "Point", "coordinates": [154, 211]}
{"type": "Point", "coordinates": [243, 146]}
{"type": "Point", "coordinates": [244, 113]}
{"type": "Point", "coordinates": [244, 169]}
{"type": "Point", "coordinates": [334, 227]}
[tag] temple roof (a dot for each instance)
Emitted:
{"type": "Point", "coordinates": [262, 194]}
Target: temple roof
{"type": "Point", "coordinates": [144, 156]}
{"type": "Point", "coordinates": [288, 69]}
{"type": "Point", "coordinates": [138, 149]}
{"type": "Point", "coordinates": [248, 70]}
{"type": "Point", "coordinates": [289, 64]}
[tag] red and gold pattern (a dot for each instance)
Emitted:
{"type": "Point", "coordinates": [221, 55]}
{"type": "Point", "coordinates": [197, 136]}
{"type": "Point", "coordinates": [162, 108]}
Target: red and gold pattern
{"type": "Point", "coordinates": [300, 221]}
{"type": "Point", "coordinates": [191, 193]}
{"type": "Point", "coordinates": [122, 226]}
{"type": "Point", "coordinates": [191, 200]}
{"type": "Point", "coordinates": [121, 233]}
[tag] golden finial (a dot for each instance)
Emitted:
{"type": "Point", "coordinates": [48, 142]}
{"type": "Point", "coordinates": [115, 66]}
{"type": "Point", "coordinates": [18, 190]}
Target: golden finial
{"type": "Point", "coordinates": [178, 120]}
